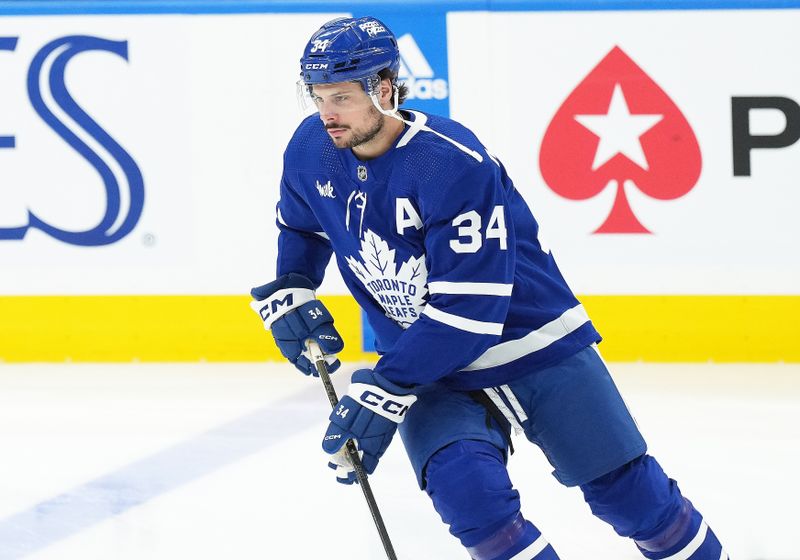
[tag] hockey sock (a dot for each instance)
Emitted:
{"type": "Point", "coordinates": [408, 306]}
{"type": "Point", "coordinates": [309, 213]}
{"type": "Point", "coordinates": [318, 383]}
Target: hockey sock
{"type": "Point", "coordinates": [686, 538]}
{"type": "Point", "coordinates": [470, 489]}
{"type": "Point", "coordinates": [639, 501]}
{"type": "Point", "coordinates": [518, 540]}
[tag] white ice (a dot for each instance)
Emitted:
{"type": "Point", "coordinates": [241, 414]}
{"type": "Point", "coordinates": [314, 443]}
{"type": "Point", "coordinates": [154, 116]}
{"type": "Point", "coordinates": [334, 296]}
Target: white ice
{"type": "Point", "coordinates": [201, 461]}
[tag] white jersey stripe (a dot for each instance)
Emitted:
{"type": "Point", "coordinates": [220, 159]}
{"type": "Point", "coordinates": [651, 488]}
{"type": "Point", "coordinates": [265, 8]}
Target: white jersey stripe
{"type": "Point", "coordinates": [458, 145]}
{"type": "Point", "coordinates": [462, 323]}
{"type": "Point", "coordinates": [413, 128]}
{"type": "Point", "coordinates": [283, 223]}
{"type": "Point", "coordinates": [419, 124]}
{"type": "Point", "coordinates": [694, 544]}
{"type": "Point", "coordinates": [532, 550]}
{"type": "Point", "coordinates": [505, 352]}
{"type": "Point", "coordinates": [470, 288]}
{"type": "Point", "coordinates": [281, 220]}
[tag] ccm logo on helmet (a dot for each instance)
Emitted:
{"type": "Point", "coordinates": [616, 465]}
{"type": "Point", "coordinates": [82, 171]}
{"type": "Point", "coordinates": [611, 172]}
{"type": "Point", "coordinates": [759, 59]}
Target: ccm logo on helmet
{"type": "Point", "coordinates": [316, 66]}
{"type": "Point", "coordinates": [390, 406]}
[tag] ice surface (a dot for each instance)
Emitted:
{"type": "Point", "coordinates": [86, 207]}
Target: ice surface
{"type": "Point", "coordinates": [156, 461]}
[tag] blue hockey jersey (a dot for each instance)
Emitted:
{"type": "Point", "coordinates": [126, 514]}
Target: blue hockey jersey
{"type": "Point", "coordinates": [437, 246]}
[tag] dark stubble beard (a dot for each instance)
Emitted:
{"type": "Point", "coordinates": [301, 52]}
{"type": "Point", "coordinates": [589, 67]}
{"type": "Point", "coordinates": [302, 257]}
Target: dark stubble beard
{"type": "Point", "coordinates": [371, 133]}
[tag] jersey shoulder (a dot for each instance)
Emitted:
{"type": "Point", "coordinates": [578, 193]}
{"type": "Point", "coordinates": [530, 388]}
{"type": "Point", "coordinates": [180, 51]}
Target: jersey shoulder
{"type": "Point", "coordinates": [440, 154]}
{"type": "Point", "coordinates": [443, 138]}
{"type": "Point", "coordinates": [310, 148]}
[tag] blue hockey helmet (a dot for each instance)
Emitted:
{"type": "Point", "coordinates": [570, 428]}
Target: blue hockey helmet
{"type": "Point", "coordinates": [350, 49]}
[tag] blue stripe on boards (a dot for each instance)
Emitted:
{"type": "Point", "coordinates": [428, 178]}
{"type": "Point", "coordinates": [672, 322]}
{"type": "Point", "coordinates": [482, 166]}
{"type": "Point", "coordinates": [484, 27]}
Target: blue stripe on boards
{"type": "Point", "coordinates": [88, 7]}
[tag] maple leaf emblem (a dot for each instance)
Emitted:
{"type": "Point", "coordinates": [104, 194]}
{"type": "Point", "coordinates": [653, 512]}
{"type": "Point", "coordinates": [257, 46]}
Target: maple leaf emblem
{"type": "Point", "coordinates": [402, 292]}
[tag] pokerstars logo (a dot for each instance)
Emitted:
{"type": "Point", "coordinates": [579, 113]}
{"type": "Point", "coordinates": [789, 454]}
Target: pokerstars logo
{"type": "Point", "coordinates": [619, 130]}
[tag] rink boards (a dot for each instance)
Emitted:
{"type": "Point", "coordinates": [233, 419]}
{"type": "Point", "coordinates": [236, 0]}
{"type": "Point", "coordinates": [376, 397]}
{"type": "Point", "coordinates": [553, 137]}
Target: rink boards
{"type": "Point", "coordinates": [140, 153]}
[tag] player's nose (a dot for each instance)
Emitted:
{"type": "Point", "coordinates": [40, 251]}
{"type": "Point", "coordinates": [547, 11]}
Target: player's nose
{"type": "Point", "coordinates": [327, 111]}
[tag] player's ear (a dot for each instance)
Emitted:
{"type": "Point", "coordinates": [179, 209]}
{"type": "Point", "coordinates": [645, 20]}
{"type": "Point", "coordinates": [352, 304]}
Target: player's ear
{"type": "Point", "coordinates": [386, 90]}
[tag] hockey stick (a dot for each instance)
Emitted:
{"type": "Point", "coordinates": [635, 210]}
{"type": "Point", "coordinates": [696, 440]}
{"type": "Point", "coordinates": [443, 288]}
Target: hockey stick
{"type": "Point", "coordinates": [352, 453]}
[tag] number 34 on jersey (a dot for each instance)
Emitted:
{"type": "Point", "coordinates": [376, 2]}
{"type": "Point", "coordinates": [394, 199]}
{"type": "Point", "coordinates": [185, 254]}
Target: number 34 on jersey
{"type": "Point", "coordinates": [468, 227]}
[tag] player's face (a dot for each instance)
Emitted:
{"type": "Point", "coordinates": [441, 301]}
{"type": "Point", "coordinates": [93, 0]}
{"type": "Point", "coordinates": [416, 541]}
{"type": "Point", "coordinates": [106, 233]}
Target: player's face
{"type": "Point", "coordinates": [348, 113]}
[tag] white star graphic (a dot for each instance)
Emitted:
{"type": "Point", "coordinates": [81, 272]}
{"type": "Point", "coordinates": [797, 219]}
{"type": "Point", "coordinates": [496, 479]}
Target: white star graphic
{"type": "Point", "coordinates": [619, 131]}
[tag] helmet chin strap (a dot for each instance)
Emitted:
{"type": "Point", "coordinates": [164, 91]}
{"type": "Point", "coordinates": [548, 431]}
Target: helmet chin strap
{"type": "Point", "coordinates": [393, 112]}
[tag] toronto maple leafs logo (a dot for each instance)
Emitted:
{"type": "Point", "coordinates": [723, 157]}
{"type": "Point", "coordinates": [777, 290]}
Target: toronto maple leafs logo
{"type": "Point", "coordinates": [402, 292]}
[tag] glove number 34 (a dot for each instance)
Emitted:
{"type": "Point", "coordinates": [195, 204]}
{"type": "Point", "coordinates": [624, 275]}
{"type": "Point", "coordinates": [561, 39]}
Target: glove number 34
{"type": "Point", "coordinates": [342, 411]}
{"type": "Point", "coordinates": [315, 313]}
{"type": "Point", "coordinates": [469, 227]}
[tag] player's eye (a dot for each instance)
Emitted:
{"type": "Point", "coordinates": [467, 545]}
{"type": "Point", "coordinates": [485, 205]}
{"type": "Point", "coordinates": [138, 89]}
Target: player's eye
{"type": "Point", "coordinates": [341, 98]}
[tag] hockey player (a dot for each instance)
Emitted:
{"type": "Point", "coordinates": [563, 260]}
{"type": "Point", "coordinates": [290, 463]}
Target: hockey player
{"type": "Point", "coordinates": [477, 331]}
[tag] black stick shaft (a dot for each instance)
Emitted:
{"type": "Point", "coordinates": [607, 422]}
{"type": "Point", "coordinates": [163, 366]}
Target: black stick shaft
{"type": "Point", "coordinates": [352, 452]}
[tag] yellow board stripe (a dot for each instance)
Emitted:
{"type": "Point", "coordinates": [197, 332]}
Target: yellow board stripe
{"type": "Point", "coordinates": [148, 329]}
{"type": "Point", "coordinates": [224, 328]}
{"type": "Point", "coordinates": [697, 328]}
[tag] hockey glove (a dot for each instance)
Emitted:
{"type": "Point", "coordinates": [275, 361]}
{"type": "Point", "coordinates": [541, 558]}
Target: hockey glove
{"type": "Point", "coordinates": [290, 309]}
{"type": "Point", "coordinates": [368, 414]}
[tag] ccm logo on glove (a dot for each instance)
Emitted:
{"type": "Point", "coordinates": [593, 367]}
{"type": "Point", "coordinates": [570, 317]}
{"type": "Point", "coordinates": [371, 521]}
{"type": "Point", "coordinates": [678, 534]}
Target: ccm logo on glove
{"type": "Point", "coordinates": [392, 407]}
{"type": "Point", "coordinates": [280, 303]}
{"type": "Point", "coordinates": [292, 312]}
